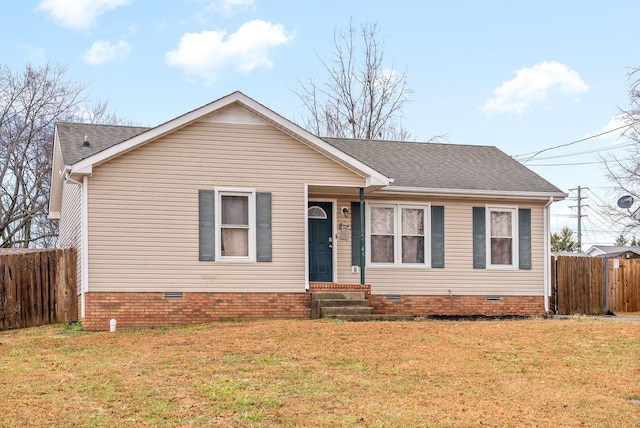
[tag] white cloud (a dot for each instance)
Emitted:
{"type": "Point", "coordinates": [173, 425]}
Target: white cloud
{"type": "Point", "coordinates": [34, 54]}
{"type": "Point", "coordinates": [228, 7]}
{"type": "Point", "coordinates": [533, 86]}
{"type": "Point", "coordinates": [208, 53]}
{"type": "Point", "coordinates": [78, 14]}
{"type": "Point", "coordinates": [613, 130]}
{"type": "Point", "coordinates": [102, 51]}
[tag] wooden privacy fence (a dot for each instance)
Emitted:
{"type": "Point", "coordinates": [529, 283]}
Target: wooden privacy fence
{"type": "Point", "coordinates": [37, 287]}
{"type": "Point", "coordinates": [624, 285]}
{"type": "Point", "coordinates": [594, 285]}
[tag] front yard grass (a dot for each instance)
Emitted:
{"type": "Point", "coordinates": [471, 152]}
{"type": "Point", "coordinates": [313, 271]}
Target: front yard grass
{"type": "Point", "coordinates": [539, 372]}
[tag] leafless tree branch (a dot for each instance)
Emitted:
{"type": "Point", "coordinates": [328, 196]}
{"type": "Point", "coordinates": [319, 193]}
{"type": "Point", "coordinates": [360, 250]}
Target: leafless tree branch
{"type": "Point", "coordinates": [31, 102]}
{"type": "Point", "coordinates": [361, 99]}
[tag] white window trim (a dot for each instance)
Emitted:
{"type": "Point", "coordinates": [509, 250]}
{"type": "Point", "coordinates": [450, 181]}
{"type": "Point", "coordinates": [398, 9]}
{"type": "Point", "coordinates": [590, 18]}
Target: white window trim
{"type": "Point", "coordinates": [515, 263]}
{"type": "Point", "coordinates": [397, 206]}
{"type": "Point", "coordinates": [235, 191]}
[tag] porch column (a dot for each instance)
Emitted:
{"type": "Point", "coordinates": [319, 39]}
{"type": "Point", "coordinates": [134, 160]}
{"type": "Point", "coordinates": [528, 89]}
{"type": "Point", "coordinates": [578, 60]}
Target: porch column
{"type": "Point", "coordinates": [362, 241]}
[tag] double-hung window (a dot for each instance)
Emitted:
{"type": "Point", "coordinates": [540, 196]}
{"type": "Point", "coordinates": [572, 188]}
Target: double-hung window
{"type": "Point", "coordinates": [397, 234]}
{"type": "Point", "coordinates": [235, 225]}
{"type": "Point", "coordinates": [502, 245]}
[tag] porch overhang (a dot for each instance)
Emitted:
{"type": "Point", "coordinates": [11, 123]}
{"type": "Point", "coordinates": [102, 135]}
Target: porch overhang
{"type": "Point", "coordinates": [332, 190]}
{"type": "Point", "coordinates": [472, 193]}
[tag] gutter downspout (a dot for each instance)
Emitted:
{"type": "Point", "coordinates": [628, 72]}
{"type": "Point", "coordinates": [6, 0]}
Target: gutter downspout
{"type": "Point", "coordinates": [547, 254]}
{"type": "Point", "coordinates": [84, 238]}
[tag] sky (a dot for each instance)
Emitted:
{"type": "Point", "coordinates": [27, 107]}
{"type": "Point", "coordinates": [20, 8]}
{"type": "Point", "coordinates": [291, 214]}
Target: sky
{"type": "Point", "coordinates": [524, 76]}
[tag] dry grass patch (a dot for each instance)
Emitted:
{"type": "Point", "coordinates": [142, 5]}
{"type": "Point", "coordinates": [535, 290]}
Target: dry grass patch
{"type": "Point", "coordinates": [573, 372]}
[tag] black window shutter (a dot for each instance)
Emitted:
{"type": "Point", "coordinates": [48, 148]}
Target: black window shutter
{"type": "Point", "coordinates": [437, 237]}
{"type": "Point", "coordinates": [524, 238]}
{"type": "Point", "coordinates": [355, 233]}
{"type": "Point", "coordinates": [263, 227]}
{"type": "Point", "coordinates": [206, 224]}
{"type": "Point", "coordinates": [479, 239]}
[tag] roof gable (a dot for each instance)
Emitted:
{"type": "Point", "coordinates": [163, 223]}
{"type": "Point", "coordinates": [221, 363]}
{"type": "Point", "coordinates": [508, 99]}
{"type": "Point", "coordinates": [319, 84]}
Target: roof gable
{"type": "Point", "coordinates": [599, 250]}
{"type": "Point", "coordinates": [110, 147]}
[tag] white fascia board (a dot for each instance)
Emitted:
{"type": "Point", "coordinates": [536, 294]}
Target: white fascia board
{"type": "Point", "coordinates": [84, 170]}
{"type": "Point", "coordinates": [55, 178]}
{"type": "Point", "coordinates": [85, 165]}
{"type": "Point", "coordinates": [374, 181]}
{"type": "Point", "coordinates": [472, 193]}
{"type": "Point", "coordinates": [54, 215]}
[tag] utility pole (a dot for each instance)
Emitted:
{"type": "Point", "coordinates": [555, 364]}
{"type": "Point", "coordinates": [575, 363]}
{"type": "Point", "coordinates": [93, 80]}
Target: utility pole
{"type": "Point", "coordinates": [580, 215]}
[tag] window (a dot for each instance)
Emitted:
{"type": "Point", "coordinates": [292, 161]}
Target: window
{"type": "Point", "coordinates": [316, 212]}
{"type": "Point", "coordinates": [397, 234]}
{"type": "Point", "coordinates": [412, 235]}
{"type": "Point", "coordinates": [234, 225]}
{"type": "Point", "coordinates": [501, 237]}
{"type": "Point", "coordinates": [382, 235]}
{"type": "Point", "coordinates": [501, 232]}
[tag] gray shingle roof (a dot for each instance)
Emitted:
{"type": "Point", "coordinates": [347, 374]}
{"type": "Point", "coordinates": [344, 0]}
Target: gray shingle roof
{"type": "Point", "coordinates": [616, 248]}
{"type": "Point", "coordinates": [409, 164]}
{"type": "Point", "coordinates": [445, 166]}
{"type": "Point", "coordinates": [101, 137]}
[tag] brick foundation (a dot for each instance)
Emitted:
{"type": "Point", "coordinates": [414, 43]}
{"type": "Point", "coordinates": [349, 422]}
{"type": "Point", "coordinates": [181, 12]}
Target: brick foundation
{"type": "Point", "coordinates": [328, 286]}
{"type": "Point", "coordinates": [143, 310]}
{"type": "Point", "coordinates": [459, 305]}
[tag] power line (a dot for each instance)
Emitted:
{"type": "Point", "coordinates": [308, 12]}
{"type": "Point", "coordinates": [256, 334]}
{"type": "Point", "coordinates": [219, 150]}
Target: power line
{"type": "Point", "coordinates": [584, 152]}
{"type": "Point", "coordinates": [564, 164]}
{"type": "Point", "coordinates": [571, 143]}
{"type": "Point", "coordinates": [595, 195]}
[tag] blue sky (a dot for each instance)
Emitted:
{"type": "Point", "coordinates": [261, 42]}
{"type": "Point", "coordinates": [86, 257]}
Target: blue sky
{"type": "Point", "coordinates": [520, 75]}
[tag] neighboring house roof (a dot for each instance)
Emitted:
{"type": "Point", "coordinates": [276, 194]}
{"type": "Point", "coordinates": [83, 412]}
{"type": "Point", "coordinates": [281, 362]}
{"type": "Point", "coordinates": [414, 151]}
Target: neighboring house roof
{"type": "Point", "coordinates": [567, 254]}
{"type": "Point", "coordinates": [446, 166]}
{"type": "Point", "coordinates": [611, 250]}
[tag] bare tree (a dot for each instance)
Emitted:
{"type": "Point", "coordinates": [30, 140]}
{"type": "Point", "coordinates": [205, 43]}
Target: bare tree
{"type": "Point", "coordinates": [31, 102]}
{"type": "Point", "coordinates": [361, 98]}
{"type": "Point", "coordinates": [624, 171]}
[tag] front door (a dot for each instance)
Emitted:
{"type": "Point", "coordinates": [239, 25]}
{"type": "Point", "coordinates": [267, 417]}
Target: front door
{"type": "Point", "coordinates": [320, 242]}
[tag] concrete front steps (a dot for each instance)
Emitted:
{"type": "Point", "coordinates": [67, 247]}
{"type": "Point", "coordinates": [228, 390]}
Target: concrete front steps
{"type": "Point", "coordinates": [347, 306]}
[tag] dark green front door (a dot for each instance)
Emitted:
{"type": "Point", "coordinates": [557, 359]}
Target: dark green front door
{"type": "Point", "coordinates": [320, 242]}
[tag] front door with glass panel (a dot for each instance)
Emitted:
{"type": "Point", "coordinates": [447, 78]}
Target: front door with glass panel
{"type": "Point", "coordinates": [320, 242]}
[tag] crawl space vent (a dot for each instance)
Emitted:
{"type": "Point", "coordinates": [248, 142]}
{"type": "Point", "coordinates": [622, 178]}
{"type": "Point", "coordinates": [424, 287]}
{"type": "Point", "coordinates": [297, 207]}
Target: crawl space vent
{"type": "Point", "coordinates": [173, 295]}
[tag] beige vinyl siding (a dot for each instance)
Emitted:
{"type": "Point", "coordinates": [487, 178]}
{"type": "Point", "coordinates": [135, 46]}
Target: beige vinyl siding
{"type": "Point", "coordinates": [143, 208]}
{"type": "Point", "coordinates": [70, 230]}
{"type": "Point", "coordinates": [458, 277]}
{"type": "Point", "coordinates": [344, 247]}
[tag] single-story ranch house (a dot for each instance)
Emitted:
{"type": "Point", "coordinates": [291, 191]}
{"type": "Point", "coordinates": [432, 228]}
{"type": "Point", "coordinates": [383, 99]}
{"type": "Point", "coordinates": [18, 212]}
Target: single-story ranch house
{"type": "Point", "coordinates": [231, 211]}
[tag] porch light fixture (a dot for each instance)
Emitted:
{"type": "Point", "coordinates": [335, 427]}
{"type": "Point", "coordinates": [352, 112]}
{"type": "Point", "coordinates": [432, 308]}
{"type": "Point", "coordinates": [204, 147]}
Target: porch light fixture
{"type": "Point", "coordinates": [345, 211]}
